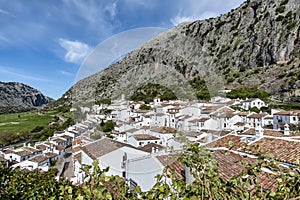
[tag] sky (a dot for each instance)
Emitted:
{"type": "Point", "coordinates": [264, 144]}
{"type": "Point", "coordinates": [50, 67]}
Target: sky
{"type": "Point", "coordinates": [44, 43]}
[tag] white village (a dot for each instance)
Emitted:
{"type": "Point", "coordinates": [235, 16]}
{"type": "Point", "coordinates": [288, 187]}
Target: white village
{"type": "Point", "coordinates": [145, 142]}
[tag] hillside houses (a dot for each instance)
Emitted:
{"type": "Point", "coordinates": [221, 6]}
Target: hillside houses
{"type": "Point", "coordinates": [142, 141]}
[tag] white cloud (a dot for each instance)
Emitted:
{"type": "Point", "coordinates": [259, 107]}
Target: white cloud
{"type": "Point", "coordinates": [112, 9]}
{"type": "Point", "coordinates": [179, 18]}
{"type": "Point", "coordinates": [10, 72]}
{"type": "Point", "coordinates": [66, 73]}
{"type": "Point", "coordinates": [76, 51]}
{"type": "Point", "coordinates": [5, 12]}
{"type": "Point", "coordinates": [191, 10]}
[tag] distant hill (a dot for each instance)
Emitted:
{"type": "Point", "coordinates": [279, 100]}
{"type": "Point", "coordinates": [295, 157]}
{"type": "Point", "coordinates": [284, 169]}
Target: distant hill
{"type": "Point", "coordinates": [18, 97]}
{"type": "Point", "coordinates": [257, 44]}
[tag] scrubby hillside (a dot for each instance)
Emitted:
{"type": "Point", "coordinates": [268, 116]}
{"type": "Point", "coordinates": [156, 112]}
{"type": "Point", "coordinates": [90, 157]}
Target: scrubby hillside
{"type": "Point", "coordinates": [255, 44]}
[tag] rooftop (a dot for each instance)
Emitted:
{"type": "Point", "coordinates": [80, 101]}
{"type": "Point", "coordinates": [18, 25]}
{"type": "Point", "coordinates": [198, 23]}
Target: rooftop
{"type": "Point", "coordinates": [228, 141]}
{"type": "Point", "coordinates": [149, 147]}
{"type": "Point", "coordinates": [280, 149]}
{"type": "Point", "coordinates": [102, 146]}
{"type": "Point", "coordinates": [39, 158]}
{"type": "Point", "coordinates": [171, 162]}
{"type": "Point", "coordinates": [145, 137]}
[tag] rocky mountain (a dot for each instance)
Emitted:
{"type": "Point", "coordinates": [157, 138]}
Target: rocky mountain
{"type": "Point", "coordinates": [17, 97]}
{"type": "Point", "coordinates": [256, 44]}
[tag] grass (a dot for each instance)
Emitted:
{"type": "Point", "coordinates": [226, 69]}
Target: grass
{"type": "Point", "coordinates": [17, 126]}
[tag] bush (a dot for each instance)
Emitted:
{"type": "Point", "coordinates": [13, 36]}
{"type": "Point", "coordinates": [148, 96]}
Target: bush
{"type": "Point", "coordinates": [145, 107]}
{"type": "Point", "coordinates": [248, 92]}
{"type": "Point", "coordinates": [280, 9]}
{"type": "Point", "coordinates": [108, 126]}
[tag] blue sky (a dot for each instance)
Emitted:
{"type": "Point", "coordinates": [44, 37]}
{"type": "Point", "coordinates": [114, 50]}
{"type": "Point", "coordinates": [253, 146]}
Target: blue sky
{"type": "Point", "coordinates": [43, 43]}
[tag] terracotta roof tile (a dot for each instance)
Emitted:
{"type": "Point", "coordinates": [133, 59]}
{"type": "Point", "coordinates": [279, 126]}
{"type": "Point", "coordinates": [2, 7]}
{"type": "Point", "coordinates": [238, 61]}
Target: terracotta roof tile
{"type": "Point", "coordinates": [225, 142]}
{"type": "Point", "coordinates": [145, 137]}
{"type": "Point", "coordinates": [171, 162]}
{"type": "Point", "coordinates": [39, 158]}
{"type": "Point", "coordinates": [164, 129]}
{"type": "Point", "coordinates": [102, 146]}
{"type": "Point", "coordinates": [149, 147]}
{"type": "Point", "coordinates": [283, 150]}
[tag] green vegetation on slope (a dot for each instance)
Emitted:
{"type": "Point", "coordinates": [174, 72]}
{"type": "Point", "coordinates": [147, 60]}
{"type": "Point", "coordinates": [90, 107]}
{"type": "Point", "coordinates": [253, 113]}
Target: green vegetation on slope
{"type": "Point", "coordinates": [208, 182]}
{"type": "Point", "coordinates": [248, 92]}
{"type": "Point", "coordinates": [17, 126]}
{"type": "Point", "coordinates": [33, 125]}
{"type": "Point", "coordinates": [149, 91]}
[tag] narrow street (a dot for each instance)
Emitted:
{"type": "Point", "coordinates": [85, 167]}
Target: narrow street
{"type": "Point", "coordinates": [65, 164]}
{"type": "Point", "coordinates": [68, 171]}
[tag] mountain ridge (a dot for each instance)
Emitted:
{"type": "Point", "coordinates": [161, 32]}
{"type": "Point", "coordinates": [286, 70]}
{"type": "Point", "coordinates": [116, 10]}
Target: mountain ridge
{"type": "Point", "coordinates": [257, 43]}
{"type": "Point", "coordinates": [19, 97]}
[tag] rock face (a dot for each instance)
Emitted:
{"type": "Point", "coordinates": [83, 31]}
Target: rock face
{"type": "Point", "coordinates": [17, 97]}
{"type": "Point", "coordinates": [255, 44]}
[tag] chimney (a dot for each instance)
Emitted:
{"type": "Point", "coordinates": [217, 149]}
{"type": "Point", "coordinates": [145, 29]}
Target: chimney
{"type": "Point", "coordinates": [286, 130]}
{"type": "Point", "coordinates": [153, 150]}
{"type": "Point", "coordinates": [189, 178]}
{"type": "Point", "coordinates": [259, 131]}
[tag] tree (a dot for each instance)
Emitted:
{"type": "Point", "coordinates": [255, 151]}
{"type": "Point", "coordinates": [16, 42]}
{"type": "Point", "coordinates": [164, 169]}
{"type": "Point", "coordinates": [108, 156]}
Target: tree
{"type": "Point", "coordinates": [207, 184]}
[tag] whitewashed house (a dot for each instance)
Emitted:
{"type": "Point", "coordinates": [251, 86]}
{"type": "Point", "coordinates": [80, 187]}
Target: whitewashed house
{"type": "Point", "coordinates": [256, 119]}
{"type": "Point", "coordinates": [139, 140]}
{"type": "Point", "coordinates": [253, 102]}
{"type": "Point", "coordinates": [285, 117]}
{"type": "Point", "coordinates": [109, 153]}
{"type": "Point", "coordinates": [164, 133]}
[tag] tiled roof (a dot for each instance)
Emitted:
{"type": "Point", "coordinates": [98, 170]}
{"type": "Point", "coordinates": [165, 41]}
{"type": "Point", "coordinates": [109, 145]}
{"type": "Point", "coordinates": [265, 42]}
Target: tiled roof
{"type": "Point", "coordinates": [145, 137]}
{"type": "Point", "coordinates": [229, 164]}
{"type": "Point", "coordinates": [41, 146]}
{"type": "Point", "coordinates": [243, 113]}
{"type": "Point", "coordinates": [145, 127]}
{"type": "Point", "coordinates": [292, 112]}
{"type": "Point", "coordinates": [31, 149]}
{"type": "Point", "coordinates": [22, 153]}
{"type": "Point", "coordinates": [199, 120]}
{"type": "Point", "coordinates": [78, 157]}
{"type": "Point", "coordinates": [283, 150]}
{"type": "Point", "coordinates": [149, 147]}
{"type": "Point", "coordinates": [75, 149]}
{"type": "Point", "coordinates": [164, 129]}
{"type": "Point", "coordinates": [215, 132]}
{"type": "Point", "coordinates": [268, 132]}
{"type": "Point", "coordinates": [3, 159]}
{"type": "Point", "coordinates": [141, 111]}
{"type": "Point", "coordinates": [132, 130]}
{"type": "Point", "coordinates": [102, 146]}
{"type": "Point", "coordinates": [58, 140]}
{"type": "Point", "coordinates": [257, 115]}
{"type": "Point", "coordinates": [66, 136]}
{"type": "Point", "coordinates": [171, 162]}
{"type": "Point", "coordinates": [240, 124]}
{"type": "Point", "coordinates": [60, 148]}
{"type": "Point", "coordinates": [51, 155]}
{"type": "Point", "coordinates": [39, 158]}
{"type": "Point", "coordinates": [225, 142]}
{"type": "Point", "coordinates": [7, 151]}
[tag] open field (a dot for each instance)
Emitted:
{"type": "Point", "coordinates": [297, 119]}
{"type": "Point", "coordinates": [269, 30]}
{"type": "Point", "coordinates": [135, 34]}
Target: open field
{"type": "Point", "coordinates": [17, 126]}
